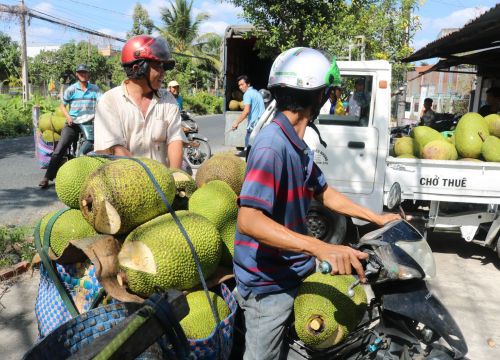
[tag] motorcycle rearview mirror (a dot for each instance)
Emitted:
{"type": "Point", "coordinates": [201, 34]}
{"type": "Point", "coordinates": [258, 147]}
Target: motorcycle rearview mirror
{"type": "Point", "coordinates": [394, 197]}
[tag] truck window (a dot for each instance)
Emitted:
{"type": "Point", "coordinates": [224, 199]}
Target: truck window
{"type": "Point", "coordinates": [348, 104]}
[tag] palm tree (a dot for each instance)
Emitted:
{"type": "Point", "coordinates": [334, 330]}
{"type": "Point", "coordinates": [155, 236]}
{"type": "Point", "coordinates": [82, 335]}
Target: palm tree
{"type": "Point", "coordinates": [182, 32]}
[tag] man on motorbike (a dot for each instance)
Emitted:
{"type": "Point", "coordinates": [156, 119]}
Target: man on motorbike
{"type": "Point", "coordinates": [174, 88]}
{"type": "Point", "coordinates": [82, 98]}
{"type": "Point", "coordinates": [138, 118]}
{"type": "Point", "coordinates": [273, 252]}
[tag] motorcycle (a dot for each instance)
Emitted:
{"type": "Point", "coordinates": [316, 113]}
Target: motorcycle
{"type": "Point", "coordinates": [85, 142]}
{"type": "Point", "coordinates": [196, 147]}
{"type": "Point", "coordinates": [404, 320]}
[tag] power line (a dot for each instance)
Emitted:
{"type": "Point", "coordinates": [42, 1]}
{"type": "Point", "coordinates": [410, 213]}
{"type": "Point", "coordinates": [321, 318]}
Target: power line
{"type": "Point", "coordinates": [101, 8]}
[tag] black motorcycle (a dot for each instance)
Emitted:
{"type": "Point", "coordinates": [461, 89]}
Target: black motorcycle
{"type": "Point", "coordinates": [85, 142]}
{"type": "Point", "coordinates": [197, 148]}
{"type": "Point", "coordinates": [404, 320]}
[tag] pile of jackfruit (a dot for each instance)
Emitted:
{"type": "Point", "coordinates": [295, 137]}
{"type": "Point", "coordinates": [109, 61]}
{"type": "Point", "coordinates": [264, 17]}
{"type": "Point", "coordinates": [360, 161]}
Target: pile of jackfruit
{"type": "Point", "coordinates": [236, 102]}
{"type": "Point", "coordinates": [475, 138]}
{"type": "Point", "coordinates": [50, 125]}
{"type": "Point", "coordinates": [117, 197]}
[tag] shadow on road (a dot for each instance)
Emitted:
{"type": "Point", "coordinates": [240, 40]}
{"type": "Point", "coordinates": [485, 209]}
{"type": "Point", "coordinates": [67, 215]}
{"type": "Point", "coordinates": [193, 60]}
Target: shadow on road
{"type": "Point", "coordinates": [18, 146]}
{"type": "Point", "coordinates": [453, 244]}
{"type": "Point", "coordinates": [16, 199]}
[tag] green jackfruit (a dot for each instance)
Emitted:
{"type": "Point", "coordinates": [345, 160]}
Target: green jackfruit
{"type": "Point", "coordinates": [71, 177]}
{"type": "Point", "coordinates": [324, 313]}
{"type": "Point", "coordinates": [228, 168]}
{"type": "Point", "coordinates": [185, 186]}
{"type": "Point", "coordinates": [493, 121]}
{"type": "Point", "coordinates": [58, 111]}
{"type": "Point", "coordinates": [422, 135]}
{"type": "Point", "coordinates": [403, 145]}
{"type": "Point", "coordinates": [470, 159]}
{"type": "Point", "coordinates": [439, 150]}
{"type": "Point", "coordinates": [469, 134]}
{"type": "Point", "coordinates": [58, 122]}
{"type": "Point", "coordinates": [407, 156]}
{"type": "Point", "coordinates": [119, 195]}
{"type": "Point", "coordinates": [44, 122]}
{"type": "Point", "coordinates": [69, 226]}
{"type": "Point", "coordinates": [491, 149]}
{"type": "Point", "coordinates": [217, 202]}
{"type": "Point", "coordinates": [50, 136]}
{"type": "Point", "coordinates": [200, 323]}
{"type": "Point", "coordinates": [156, 254]}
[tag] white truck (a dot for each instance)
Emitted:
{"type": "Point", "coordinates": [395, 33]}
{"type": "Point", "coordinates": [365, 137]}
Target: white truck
{"type": "Point", "coordinates": [451, 196]}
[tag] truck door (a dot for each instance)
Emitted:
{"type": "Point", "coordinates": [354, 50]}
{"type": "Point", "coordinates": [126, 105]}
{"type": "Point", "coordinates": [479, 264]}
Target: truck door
{"type": "Point", "coordinates": [349, 160]}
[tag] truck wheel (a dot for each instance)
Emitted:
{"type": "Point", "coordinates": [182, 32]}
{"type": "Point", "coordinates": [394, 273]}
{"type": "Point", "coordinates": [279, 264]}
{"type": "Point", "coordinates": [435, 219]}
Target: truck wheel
{"type": "Point", "coordinates": [326, 225]}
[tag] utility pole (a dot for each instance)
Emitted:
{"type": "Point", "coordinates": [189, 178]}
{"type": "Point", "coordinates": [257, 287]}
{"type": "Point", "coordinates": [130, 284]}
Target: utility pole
{"type": "Point", "coordinates": [24, 53]}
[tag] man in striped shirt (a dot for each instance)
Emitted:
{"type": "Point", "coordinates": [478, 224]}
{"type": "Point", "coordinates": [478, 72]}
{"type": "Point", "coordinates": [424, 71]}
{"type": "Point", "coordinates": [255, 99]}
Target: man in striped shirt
{"type": "Point", "coordinates": [82, 98]}
{"type": "Point", "coordinates": [273, 252]}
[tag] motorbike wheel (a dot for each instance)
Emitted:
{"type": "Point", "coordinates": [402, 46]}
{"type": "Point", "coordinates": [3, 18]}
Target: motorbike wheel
{"type": "Point", "coordinates": [197, 152]}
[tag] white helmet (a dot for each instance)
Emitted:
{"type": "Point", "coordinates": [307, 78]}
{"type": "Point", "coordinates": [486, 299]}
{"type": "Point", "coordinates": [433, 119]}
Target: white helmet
{"type": "Point", "coordinates": [304, 69]}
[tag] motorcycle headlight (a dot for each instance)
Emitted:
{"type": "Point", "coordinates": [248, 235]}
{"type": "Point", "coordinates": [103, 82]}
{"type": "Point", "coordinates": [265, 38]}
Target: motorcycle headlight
{"type": "Point", "coordinates": [393, 269]}
{"type": "Point", "coordinates": [421, 253]}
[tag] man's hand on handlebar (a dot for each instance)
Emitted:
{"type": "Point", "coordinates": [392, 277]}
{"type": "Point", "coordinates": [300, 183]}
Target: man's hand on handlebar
{"type": "Point", "coordinates": [69, 120]}
{"type": "Point", "coordinates": [342, 259]}
{"type": "Point", "coordinates": [383, 219]}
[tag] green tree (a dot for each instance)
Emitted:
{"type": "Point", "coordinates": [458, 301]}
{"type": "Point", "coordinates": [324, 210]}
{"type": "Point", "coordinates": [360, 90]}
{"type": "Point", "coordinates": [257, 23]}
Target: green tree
{"type": "Point", "coordinates": [198, 57]}
{"type": "Point", "coordinates": [61, 64]}
{"type": "Point", "coordinates": [386, 25]}
{"type": "Point", "coordinates": [10, 58]}
{"type": "Point", "coordinates": [142, 22]}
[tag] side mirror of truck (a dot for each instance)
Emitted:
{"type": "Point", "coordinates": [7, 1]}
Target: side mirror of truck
{"type": "Point", "coordinates": [394, 197]}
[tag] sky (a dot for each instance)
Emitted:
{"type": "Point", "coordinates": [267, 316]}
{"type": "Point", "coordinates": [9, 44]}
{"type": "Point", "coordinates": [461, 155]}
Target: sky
{"type": "Point", "coordinates": [114, 17]}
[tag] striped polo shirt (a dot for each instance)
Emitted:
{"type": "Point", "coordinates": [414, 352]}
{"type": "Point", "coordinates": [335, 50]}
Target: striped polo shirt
{"type": "Point", "coordinates": [281, 179]}
{"type": "Point", "coordinates": [82, 103]}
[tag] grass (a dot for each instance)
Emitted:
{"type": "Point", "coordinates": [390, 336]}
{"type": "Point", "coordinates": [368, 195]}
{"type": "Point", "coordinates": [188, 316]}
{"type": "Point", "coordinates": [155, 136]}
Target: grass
{"type": "Point", "coordinates": [16, 244]}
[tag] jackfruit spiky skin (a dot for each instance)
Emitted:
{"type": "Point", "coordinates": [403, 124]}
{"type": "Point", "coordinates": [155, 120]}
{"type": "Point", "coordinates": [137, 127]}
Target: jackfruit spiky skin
{"type": "Point", "coordinates": [71, 177]}
{"type": "Point", "coordinates": [185, 186]}
{"type": "Point", "coordinates": [69, 226]}
{"type": "Point", "coordinates": [50, 136]}
{"type": "Point", "coordinates": [126, 186]}
{"type": "Point", "coordinates": [228, 168]}
{"type": "Point", "coordinates": [324, 297]}
{"type": "Point", "coordinates": [44, 122]}
{"type": "Point", "coordinates": [172, 262]}
{"type": "Point", "coordinates": [217, 202]}
{"type": "Point", "coordinates": [200, 323]}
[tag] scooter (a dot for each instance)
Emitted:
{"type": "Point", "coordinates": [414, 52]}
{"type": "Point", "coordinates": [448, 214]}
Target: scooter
{"type": "Point", "coordinates": [196, 149]}
{"type": "Point", "coordinates": [85, 142]}
{"type": "Point", "coordinates": [404, 320]}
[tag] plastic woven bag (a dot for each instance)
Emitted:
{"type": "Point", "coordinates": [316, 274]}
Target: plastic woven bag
{"type": "Point", "coordinates": [43, 150]}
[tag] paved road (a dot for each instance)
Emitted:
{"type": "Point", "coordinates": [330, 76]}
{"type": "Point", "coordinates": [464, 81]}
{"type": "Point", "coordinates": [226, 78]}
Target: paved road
{"type": "Point", "coordinates": [467, 282]}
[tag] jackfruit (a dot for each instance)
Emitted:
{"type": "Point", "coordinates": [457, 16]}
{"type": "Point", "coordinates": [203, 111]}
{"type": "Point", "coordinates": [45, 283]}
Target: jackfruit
{"type": "Point", "coordinates": [200, 323]}
{"type": "Point", "coordinates": [228, 168]}
{"type": "Point", "coordinates": [185, 186]}
{"type": "Point", "coordinates": [403, 145]}
{"type": "Point", "coordinates": [58, 111]}
{"type": "Point", "coordinates": [422, 135]}
{"type": "Point", "coordinates": [58, 122]}
{"type": "Point", "coordinates": [50, 136]}
{"type": "Point", "coordinates": [45, 122]}
{"type": "Point", "coordinates": [71, 177]}
{"type": "Point", "coordinates": [440, 150]}
{"type": "Point", "coordinates": [156, 254]}
{"type": "Point", "coordinates": [119, 195]}
{"type": "Point", "coordinates": [216, 201]}
{"type": "Point", "coordinates": [493, 121]}
{"type": "Point", "coordinates": [469, 134]}
{"type": "Point", "coordinates": [407, 156]}
{"type": "Point", "coordinates": [491, 149]}
{"type": "Point", "coordinates": [470, 159]}
{"type": "Point", "coordinates": [69, 226]}
{"type": "Point", "coordinates": [241, 105]}
{"type": "Point", "coordinates": [324, 313]}
{"type": "Point", "coordinates": [234, 105]}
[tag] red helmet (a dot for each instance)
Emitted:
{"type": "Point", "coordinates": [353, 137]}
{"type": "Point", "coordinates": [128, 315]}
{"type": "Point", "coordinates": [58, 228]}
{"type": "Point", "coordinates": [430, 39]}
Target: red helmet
{"type": "Point", "coordinates": [145, 47]}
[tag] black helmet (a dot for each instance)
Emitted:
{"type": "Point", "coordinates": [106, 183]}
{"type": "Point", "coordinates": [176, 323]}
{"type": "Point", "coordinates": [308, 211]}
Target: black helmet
{"type": "Point", "coordinates": [82, 67]}
{"type": "Point", "coordinates": [266, 95]}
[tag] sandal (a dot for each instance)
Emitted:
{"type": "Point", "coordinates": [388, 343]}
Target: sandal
{"type": "Point", "coordinates": [44, 183]}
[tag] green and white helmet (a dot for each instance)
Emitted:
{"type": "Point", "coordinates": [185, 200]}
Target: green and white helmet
{"type": "Point", "coordinates": [303, 68]}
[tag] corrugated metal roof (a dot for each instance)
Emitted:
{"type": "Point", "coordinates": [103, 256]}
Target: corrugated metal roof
{"type": "Point", "coordinates": [481, 33]}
